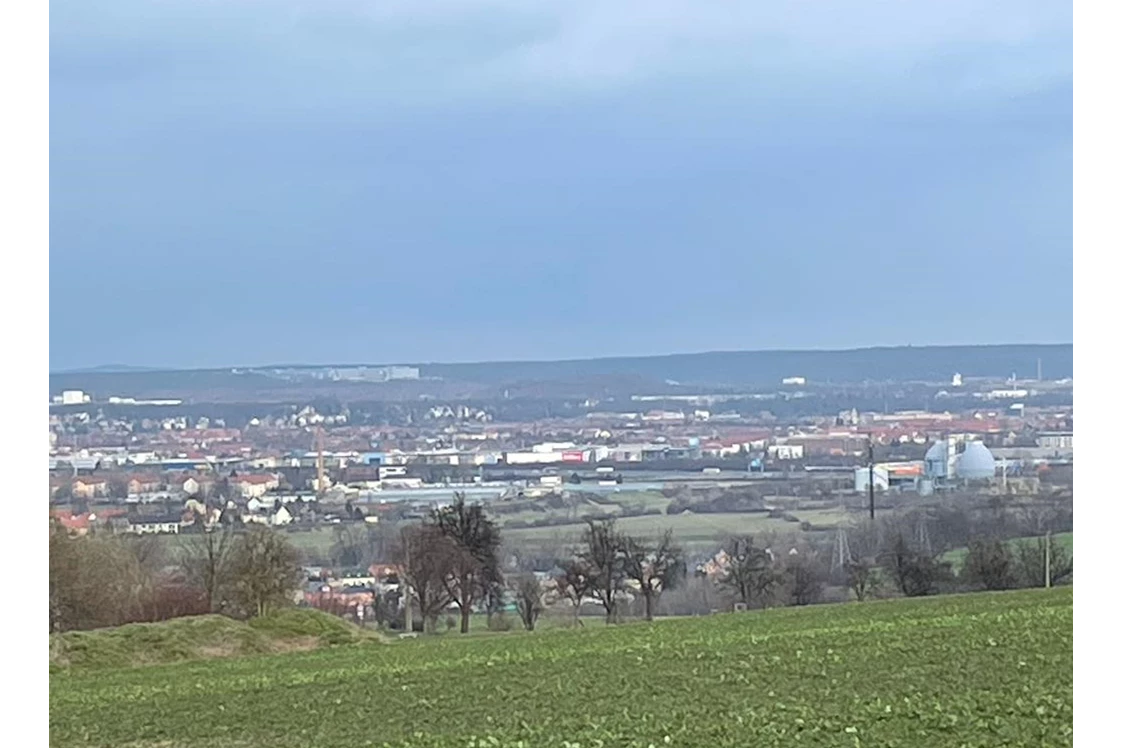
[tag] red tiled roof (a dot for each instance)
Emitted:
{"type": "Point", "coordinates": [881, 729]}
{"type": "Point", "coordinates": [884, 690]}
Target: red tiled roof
{"type": "Point", "coordinates": [73, 521]}
{"type": "Point", "coordinates": [145, 479]}
{"type": "Point", "coordinates": [255, 479]}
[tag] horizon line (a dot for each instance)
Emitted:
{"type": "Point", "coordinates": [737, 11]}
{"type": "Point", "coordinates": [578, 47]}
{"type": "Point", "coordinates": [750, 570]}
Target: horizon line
{"type": "Point", "coordinates": [141, 369]}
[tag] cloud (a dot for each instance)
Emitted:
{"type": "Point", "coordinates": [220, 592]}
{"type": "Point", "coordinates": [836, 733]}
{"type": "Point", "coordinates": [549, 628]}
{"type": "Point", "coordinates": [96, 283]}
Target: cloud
{"type": "Point", "coordinates": [441, 163]}
{"type": "Point", "coordinates": [409, 51]}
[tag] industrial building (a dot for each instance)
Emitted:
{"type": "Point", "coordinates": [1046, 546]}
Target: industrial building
{"type": "Point", "coordinates": [948, 463]}
{"type": "Point", "coordinates": [1058, 441]}
{"type": "Point", "coordinates": [71, 397]}
{"type": "Point", "coordinates": [899, 476]}
{"type": "Point", "coordinates": [374, 373]}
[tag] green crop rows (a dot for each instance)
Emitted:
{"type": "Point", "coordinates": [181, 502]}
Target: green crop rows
{"type": "Point", "coordinates": [971, 670]}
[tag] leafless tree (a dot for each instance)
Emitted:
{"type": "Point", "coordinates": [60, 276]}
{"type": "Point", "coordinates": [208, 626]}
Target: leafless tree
{"type": "Point", "coordinates": [603, 556]}
{"type": "Point", "coordinates": [695, 596]}
{"type": "Point", "coordinates": [862, 577]}
{"type": "Point", "coordinates": [528, 598]}
{"type": "Point", "coordinates": [474, 566]}
{"type": "Point", "coordinates": [205, 561]}
{"type": "Point", "coordinates": [865, 539]}
{"type": "Point", "coordinates": [915, 571]}
{"type": "Point", "coordinates": [424, 556]}
{"type": "Point", "coordinates": [348, 546]}
{"type": "Point", "coordinates": [654, 567]}
{"type": "Point", "coordinates": [264, 570]}
{"type": "Point", "coordinates": [575, 583]}
{"type": "Point", "coordinates": [1030, 555]}
{"type": "Point", "coordinates": [805, 576]}
{"type": "Point", "coordinates": [750, 574]}
{"type": "Point", "coordinates": [94, 582]}
{"type": "Point", "coordinates": [989, 564]}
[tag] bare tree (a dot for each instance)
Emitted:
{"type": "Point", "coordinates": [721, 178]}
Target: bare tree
{"type": "Point", "coordinates": [654, 568]}
{"type": "Point", "coordinates": [915, 571]}
{"type": "Point", "coordinates": [347, 548]}
{"type": "Point", "coordinates": [806, 577]}
{"type": "Point", "coordinates": [92, 582]}
{"type": "Point", "coordinates": [264, 570]}
{"type": "Point", "coordinates": [603, 556]}
{"type": "Point", "coordinates": [528, 599]}
{"type": "Point", "coordinates": [1030, 556]}
{"type": "Point", "coordinates": [989, 564]}
{"type": "Point", "coordinates": [474, 568]}
{"type": "Point", "coordinates": [425, 558]}
{"type": "Point", "coordinates": [862, 577]}
{"type": "Point", "coordinates": [750, 573]}
{"type": "Point", "coordinates": [864, 539]}
{"type": "Point", "coordinates": [148, 559]}
{"type": "Point", "coordinates": [205, 561]}
{"type": "Point", "coordinates": [695, 596]}
{"type": "Point", "coordinates": [575, 583]}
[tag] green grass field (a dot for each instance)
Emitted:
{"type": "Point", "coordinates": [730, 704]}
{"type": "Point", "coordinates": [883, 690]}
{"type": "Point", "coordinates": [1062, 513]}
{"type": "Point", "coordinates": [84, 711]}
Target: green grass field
{"type": "Point", "coordinates": [969, 670]}
{"type": "Point", "coordinates": [957, 556]}
{"type": "Point", "coordinates": [693, 531]}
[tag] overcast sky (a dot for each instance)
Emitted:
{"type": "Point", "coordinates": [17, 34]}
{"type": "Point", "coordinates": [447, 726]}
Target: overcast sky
{"type": "Point", "coordinates": [248, 182]}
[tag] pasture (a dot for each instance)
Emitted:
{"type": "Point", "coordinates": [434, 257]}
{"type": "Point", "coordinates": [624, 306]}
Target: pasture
{"type": "Point", "coordinates": [966, 670]}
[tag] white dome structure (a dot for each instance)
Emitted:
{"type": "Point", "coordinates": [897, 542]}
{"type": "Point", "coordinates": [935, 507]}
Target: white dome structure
{"type": "Point", "coordinates": [936, 460]}
{"type": "Point", "coordinates": [976, 462]}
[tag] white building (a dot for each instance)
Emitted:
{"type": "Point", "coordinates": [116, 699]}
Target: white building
{"type": "Point", "coordinates": [1060, 441]}
{"type": "Point", "coordinates": [281, 517]}
{"type": "Point", "coordinates": [403, 372]}
{"type": "Point", "coordinates": [785, 451]}
{"type": "Point", "coordinates": [155, 527]}
{"type": "Point", "coordinates": [74, 397]}
{"type": "Point", "coordinates": [896, 475]}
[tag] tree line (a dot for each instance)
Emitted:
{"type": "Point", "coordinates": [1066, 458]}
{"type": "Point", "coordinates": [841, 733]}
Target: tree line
{"type": "Point", "coordinates": [452, 560]}
{"type": "Point", "coordinates": [105, 580]}
{"type": "Point", "coordinates": [451, 564]}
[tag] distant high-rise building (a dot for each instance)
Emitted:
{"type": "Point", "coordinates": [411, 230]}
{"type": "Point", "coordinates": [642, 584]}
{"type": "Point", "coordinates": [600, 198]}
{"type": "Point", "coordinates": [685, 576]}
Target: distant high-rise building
{"type": "Point", "coordinates": [374, 373]}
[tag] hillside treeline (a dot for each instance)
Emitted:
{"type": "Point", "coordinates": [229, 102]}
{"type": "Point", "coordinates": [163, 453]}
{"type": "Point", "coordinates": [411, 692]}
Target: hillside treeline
{"type": "Point", "coordinates": [454, 563]}
{"type": "Point", "coordinates": [104, 580]}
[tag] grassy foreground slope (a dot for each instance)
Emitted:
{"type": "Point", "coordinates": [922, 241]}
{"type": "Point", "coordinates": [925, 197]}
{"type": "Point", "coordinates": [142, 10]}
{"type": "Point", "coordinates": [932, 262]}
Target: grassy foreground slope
{"type": "Point", "coordinates": [970, 670]}
{"type": "Point", "coordinates": [200, 638]}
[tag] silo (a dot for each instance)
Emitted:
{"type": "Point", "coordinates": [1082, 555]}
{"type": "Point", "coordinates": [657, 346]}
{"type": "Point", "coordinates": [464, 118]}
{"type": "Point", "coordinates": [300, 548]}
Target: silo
{"type": "Point", "coordinates": [976, 462]}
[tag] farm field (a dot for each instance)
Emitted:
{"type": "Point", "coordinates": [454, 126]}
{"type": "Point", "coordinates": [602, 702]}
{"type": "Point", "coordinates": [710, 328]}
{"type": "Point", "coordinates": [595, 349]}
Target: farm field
{"type": "Point", "coordinates": [693, 531]}
{"type": "Point", "coordinates": [957, 556]}
{"type": "Point", "coordinates": [968, 670]}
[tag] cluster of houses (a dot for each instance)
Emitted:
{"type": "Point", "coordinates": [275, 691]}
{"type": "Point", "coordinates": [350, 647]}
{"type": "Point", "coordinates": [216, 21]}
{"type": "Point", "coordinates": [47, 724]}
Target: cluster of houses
{"type": "Point", "coordinates": [145, 504]}
{"type": "Point", "coordinates": [154, 487]}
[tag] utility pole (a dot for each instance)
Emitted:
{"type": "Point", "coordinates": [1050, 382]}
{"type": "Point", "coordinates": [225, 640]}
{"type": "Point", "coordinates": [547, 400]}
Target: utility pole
{"type": "Point", "coordinates": [1048, 564]}
{"type": "Point", "coordinates": [320, 464]}
{"type": "Point", "coordinates": [871, 477]}
{"type": "Point", "coordinates": [406, 592]}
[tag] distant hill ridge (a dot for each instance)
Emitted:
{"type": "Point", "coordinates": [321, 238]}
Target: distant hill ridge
{"type": "Point", "coordinates": [731, 368]}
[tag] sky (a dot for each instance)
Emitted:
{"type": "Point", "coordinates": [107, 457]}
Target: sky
{"type": "Point", "coordinates": [246, 182]}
